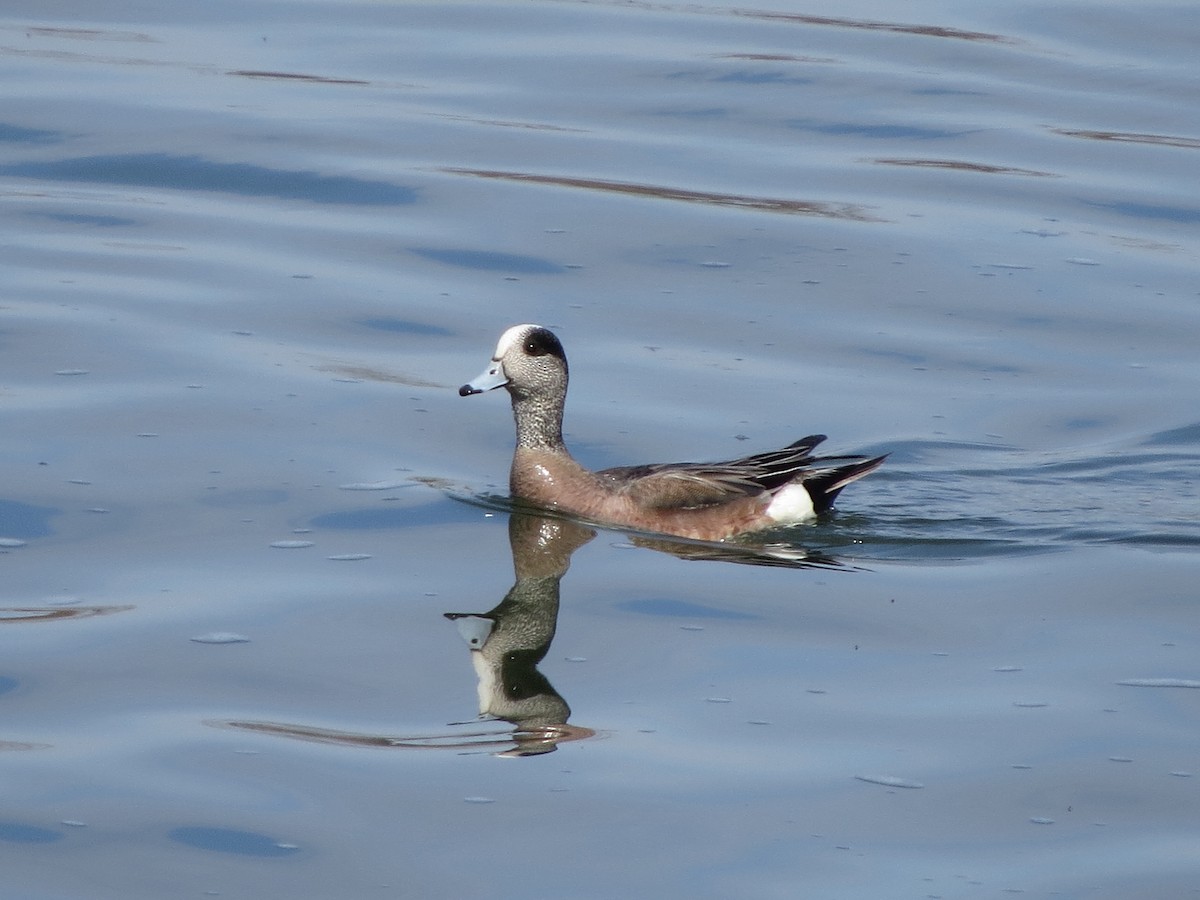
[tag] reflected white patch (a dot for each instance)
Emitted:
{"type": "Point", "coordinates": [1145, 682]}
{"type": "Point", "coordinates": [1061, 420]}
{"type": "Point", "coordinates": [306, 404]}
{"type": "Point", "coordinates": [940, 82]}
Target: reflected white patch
{"type": "Point", "coordinates": [489, 688]}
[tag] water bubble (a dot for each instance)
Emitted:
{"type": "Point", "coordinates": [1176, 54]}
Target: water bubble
{"type": "Point", "coordinates": [291, 545]}
{"type": "Point", "coordinates": [891, 781]}
{"type": "Point", "coordinates": [220, 637]}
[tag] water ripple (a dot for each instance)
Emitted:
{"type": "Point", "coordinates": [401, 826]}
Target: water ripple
{"type": "Point", "coordinates": [21, 615]}
{"type": "Point", "coordinates": [851, 211]}
{"type": "Point", "coordinates": [1018, 502]}
{"type": "Point", "coordinates": [194, 173]}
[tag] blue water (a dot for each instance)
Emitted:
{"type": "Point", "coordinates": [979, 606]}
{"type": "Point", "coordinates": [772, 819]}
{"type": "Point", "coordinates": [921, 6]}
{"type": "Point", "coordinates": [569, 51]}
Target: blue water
{"type": "Point", "coordinates": [251, 251]}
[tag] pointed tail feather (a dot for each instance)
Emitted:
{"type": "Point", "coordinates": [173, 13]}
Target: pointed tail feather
{"type": "Point", "coordinates": [806, 443]}
{"type": "Point", "coordinates": [824, 485]}
{"type": "Point", "coordinates": [796, 453]}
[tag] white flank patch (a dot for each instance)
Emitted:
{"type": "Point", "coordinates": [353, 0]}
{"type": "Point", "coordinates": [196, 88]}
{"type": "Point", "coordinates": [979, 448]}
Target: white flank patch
{"type": "Point", "coordinates": [791, 505]}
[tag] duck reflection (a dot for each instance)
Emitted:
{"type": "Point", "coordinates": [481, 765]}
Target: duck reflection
{"type": "Point", "coordinates": [506, 645]}
{"type": "Point", "coordinates": [509, 641]}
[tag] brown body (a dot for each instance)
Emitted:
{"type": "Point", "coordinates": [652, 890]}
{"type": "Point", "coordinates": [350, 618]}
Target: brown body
{"type": "Point", "coordinates": [556, 481]}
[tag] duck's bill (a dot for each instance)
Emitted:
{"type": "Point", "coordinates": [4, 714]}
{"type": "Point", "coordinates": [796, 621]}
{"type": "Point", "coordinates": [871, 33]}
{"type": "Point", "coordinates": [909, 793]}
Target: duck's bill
{"type": "Point", "coordinates": [491, 378]}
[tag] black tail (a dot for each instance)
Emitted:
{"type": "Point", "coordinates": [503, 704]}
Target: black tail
{"type": "Point", "coordinates": [824, 485]}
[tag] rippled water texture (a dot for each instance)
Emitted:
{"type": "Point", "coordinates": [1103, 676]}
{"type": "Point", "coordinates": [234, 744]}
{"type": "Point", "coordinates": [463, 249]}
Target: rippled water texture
{"type": "Point", "coordinates": [270, 625]}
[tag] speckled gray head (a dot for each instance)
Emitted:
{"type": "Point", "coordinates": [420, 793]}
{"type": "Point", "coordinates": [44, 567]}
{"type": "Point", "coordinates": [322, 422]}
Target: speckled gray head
{"type": "Point", "coordinates": [521, 351]}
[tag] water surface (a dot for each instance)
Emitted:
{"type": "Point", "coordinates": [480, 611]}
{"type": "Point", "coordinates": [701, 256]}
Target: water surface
{"type": "Point", "coordinates": [252, 250]}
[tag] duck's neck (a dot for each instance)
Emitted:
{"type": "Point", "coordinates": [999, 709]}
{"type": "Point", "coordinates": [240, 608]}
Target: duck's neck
{"type": "Point", "coordinates": [539, 424]}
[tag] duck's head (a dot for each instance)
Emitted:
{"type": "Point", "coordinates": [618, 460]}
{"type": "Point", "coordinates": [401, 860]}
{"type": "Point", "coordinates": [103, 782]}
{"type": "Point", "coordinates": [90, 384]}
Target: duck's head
{"type": "Point", "coordinates": [529, 361]}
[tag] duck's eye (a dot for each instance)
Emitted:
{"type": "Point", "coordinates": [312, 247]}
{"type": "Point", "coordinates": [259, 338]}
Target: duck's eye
{"type": "Point", "coordinates": [542, 343]}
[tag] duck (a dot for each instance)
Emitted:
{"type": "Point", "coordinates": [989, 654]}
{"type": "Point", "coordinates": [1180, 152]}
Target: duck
{"type": "Point", "coordinates": [714, 501]}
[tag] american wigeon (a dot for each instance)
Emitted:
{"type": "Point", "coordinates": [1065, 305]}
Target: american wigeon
{"type": "Point", "coordinates": [707, 501]}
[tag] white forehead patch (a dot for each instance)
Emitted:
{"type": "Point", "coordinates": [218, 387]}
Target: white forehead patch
{"type": "Point", "coordinates": [511, 338]}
